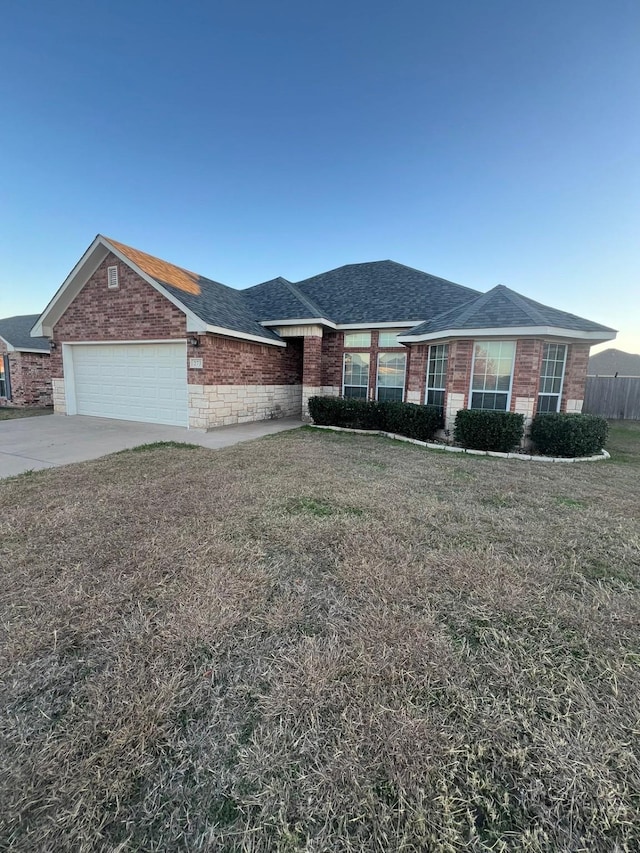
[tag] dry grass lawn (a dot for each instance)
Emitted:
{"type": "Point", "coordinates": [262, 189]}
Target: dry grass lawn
{"type": "Point", "coordinates": [321, 642]}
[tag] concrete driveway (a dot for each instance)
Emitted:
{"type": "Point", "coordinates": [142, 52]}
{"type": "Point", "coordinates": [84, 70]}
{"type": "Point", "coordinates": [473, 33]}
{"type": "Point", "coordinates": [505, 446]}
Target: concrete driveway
{"type": "Point", "coordinates": [46, 442]}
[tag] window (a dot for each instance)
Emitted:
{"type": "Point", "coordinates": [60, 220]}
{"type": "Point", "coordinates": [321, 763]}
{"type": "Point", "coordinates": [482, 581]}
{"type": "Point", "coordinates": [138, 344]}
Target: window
{"type": "Point", "coordinates": [5, 386]}
{"type": "Point", "coordinates": [357, 339]}
{"type": "Point", "coordinates": [437, 374]}
{"type": "Point", "coordinates": [554, 357]}
{"type": "Point", "coordinates": [492, 371]}
{"type": "Point", "coordinates": [355, 377]}
{"type": "Point", "coordinates": [389, 339]}
{"type": "Point", "coordinates": [112, 278]}
{"type": "Point", "coordinates": [392, 368]}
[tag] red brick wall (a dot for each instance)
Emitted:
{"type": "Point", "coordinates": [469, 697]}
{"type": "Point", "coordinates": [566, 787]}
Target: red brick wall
{"type": "Point", "coordinates": [230, 361]}
{"type": "Point", "coordinates": [526, 370]}
{"type": "Point", "coordinates": [417, 369]}
{"type": "Point", "coordinates": [459, 369]}
{"type": "Point", "coordinates": [575, 374]}
{"type": "Point", "coordinates": [312, 361]}
{"type": "Point", "coordinates": [332, 358]}
{"type": "Point", "coordinates": [30, 378]}
{"type": "Point", "coordinates": [135, 311]}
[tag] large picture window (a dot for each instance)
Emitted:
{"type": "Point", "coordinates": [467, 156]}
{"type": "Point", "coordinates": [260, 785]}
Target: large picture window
{"type": "Point", "coordinates": [392, 369]}
{"type": "Point", "coordinates": [554, 357]}
{"type": "Point", "coordinates": [437, 374]}
{"type": "Point", "coordinates": [355, 375]}
{"type": "Point", "coordinates": [492, 373]}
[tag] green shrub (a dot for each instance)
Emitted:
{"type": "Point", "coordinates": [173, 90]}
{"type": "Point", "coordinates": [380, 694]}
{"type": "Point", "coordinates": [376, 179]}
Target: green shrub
{"type": "Point", "coordinates": [403, 418]}
{"type": "Point", "coordinates": [498, 431]}
{"type": "Point", "coordinates": [350, 413]}
{"type": "Point", "coordinates": [569, 435]}
{"type": "Point", "coordinates": [411, 420]}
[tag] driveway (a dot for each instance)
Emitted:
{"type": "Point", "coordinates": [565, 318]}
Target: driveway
{"type": "Point", "coordinates": [28, 444]}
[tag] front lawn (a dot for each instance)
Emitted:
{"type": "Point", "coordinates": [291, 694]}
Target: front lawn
{"type": "Point", "coordinates": [8, 413]}
{"type": "Point", "coordinates": [321, 642]}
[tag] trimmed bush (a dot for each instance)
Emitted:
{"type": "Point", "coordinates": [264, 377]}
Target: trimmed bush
{"type": "Point", "coordinates": [408, 419]}
{"type": "Point", "coordinates": [498, 431]}
{"type": "Point", "coordinates": [569, 435]}
{"type": "Point", "coordinates": [411, 420]}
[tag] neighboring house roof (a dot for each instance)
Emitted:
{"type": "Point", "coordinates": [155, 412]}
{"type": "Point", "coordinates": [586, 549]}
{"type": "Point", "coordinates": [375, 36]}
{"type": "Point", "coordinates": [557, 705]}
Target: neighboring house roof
{"type": "Point", "coordinates": [502, 308]}
{"type": "Point", "coordinates": [376, 293]}
{"type": "Point", "coordinates": [15, 332]}
{"type": "Point", "coordinates": [610, 362]}
{"type": "Point", "coordinates": [382, 292]}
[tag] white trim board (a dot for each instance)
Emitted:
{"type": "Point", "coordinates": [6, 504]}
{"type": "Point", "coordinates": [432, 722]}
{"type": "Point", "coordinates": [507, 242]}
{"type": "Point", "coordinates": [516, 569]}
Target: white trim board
{"type": "Point", "coordinates": [512, 332]}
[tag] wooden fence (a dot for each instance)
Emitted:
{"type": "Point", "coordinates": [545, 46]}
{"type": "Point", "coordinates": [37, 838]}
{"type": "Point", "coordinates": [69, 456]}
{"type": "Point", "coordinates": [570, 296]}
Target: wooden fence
{"type": "Point", "coordinates": [613, 396]}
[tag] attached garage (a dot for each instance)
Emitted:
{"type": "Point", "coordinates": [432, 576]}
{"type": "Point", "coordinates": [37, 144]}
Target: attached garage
{"type": "Point", "coordinates": [128, 381]}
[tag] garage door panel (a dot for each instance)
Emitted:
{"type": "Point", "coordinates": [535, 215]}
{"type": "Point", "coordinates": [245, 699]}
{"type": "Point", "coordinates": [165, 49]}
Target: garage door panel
{"type": "Point", "coordinates": [141, 382]}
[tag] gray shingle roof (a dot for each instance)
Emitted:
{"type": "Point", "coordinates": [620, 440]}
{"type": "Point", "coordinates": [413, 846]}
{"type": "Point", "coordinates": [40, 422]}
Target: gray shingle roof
{"type": "Point", "coordinates": [612, 361]}
{"type": "Point", "coordinates": [367, 293]}
{"type": "Point", "coordinates": [279, 299]}
{"type": "Point", "coordinates": [220, 305]}
{"type": "Point", "coordinates": [504, 308]}
{"type": "Point", "coordinates": [382, 292]}
{"type": "Point", "coordinates": [16, 331]}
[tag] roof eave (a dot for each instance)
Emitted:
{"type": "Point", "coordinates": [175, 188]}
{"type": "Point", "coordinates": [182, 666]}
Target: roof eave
{"type": "Point", "coordinates": [245, 336]}
{"type": "Point", "coordinates": [594, 337]}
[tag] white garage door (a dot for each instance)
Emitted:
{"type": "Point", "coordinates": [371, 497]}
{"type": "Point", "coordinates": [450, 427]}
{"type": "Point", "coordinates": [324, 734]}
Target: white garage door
{"type": "Point", "coordinates": [132, 382]}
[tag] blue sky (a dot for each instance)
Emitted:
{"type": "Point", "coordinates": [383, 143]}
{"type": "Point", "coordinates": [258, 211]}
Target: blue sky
{"type": "Point", "coordinates": [485, 142]}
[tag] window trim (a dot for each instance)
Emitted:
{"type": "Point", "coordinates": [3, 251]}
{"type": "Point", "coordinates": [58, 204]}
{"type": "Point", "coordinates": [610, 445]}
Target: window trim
{"type": "Point", "coordinates": [344, 366]}
{"type": "Point", "coordinates": [404, 380]}
{"type": "Point", "coordinates": [473, 364]}
{"type": "Point", "coordinates": [562, 375]}
{"type": "Point", "coordinates": [427, 387]}
{"type": "Point", "coordinates": [6, 378]}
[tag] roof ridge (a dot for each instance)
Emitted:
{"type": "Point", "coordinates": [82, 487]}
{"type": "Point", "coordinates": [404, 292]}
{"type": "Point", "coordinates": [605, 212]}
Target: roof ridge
{"type": "Point", "coordinates": [304, 299]}
{"type": "Point", "coordinates": [524, 303]}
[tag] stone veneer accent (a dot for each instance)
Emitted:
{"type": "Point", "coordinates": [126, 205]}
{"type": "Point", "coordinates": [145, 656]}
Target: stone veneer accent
{"type": "Point", "coordinates": [454, 402]}
{"type": "Point", "coordinates": [220, 405]}
{"type": "Point", "coordinates": [59, 399]}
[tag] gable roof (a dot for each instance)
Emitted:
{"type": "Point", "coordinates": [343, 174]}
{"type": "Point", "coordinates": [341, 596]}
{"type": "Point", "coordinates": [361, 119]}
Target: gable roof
{"type": "Point", "coordinates": [504, 309]}
{"type": "Point", "coordinates": [16, 332]}
{"type": "Point", "coordinates": [376, 293]}
{"type": "Point", "coordinates": [215, 303]}
{"type": "Point", "coordinates": [610, 362]}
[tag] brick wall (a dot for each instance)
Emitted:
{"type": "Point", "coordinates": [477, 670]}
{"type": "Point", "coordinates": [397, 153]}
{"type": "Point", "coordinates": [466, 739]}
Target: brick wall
{"type": "Point", "coordinates": [230, 361]}
{"type": "Point", "coordinates": [459, 369]}
{"type": "Point", "coordinates": [135, 311]}
{"type": "Point", "coordinates": [30, 378]}
{"type": "Point", "coordinates": [417, 373]}
{"type": "Point", "coordinates": [526, 370]}
{"type": "Point", "coordinates": [575, 376]}
{"type": "Point", "coordinates": [332, 349]}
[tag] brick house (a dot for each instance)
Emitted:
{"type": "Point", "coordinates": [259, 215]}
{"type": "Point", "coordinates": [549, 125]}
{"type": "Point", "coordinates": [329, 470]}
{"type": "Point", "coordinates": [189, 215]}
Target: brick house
{"type": "Point", "coordinates": [138, 338]}
{"type": "Point", "coordinates": [25, 371]}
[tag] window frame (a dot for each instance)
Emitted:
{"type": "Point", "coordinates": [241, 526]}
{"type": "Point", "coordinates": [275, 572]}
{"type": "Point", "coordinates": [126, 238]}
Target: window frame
{"type": "Point", "coordinates": [443, 389]}
{"type": "Point", "coordinates": [473, 390]}
{"type": "Point", "coordinates": [366, 334]}
{"type": "Point", "coordinates": [344, 370]}
{"type": "Point", "coordinates": [540, 377]}
{"type": "Point", "coordinates": [402, 355]}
